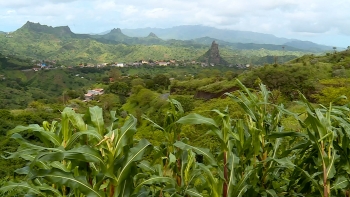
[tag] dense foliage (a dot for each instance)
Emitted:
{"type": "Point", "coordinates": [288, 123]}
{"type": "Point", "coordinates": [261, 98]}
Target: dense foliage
{"type": "Point", "coordinates": [85, 156]}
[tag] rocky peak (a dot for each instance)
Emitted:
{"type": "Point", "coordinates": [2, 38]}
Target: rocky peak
{"type": "Point", "coordinates": [153, 35]}
{"type": "Point", "coordinates": [212, 56]}
{"type": "Point", "coordinates": [118, 30]}
{"type": "Point", "coordinates": [37, 27]}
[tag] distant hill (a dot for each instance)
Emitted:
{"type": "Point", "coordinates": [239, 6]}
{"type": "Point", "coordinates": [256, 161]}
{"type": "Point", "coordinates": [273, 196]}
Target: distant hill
{"type": "Point", "coordinates": [188, 32]}
{"type": "Point", "coordinates": [307, 46]}
{"type": "Point", "coordinates": [118, 36]}
{"type": "Point", "coordinates": [247, 46]}
{"type": "Point", "coordinates": [60, 32]}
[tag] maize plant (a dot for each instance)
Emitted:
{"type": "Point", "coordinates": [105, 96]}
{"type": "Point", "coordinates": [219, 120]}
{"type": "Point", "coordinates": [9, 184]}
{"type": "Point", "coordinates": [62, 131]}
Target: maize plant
{"type": "Point", "coordinates": [82, 156]}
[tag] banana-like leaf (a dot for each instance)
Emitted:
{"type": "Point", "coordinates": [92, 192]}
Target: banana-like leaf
{"type": "Point", "coordinates": [202, 151]}
{"type": "Point", "coordinates": [67, 179]}
{"type": "Point", "coordinates": [23, 186]}
{"type": "Point", "coordinates": [124, 188]}
{"type": "Point", "coordinates": [134, 154]}
{"type": "Point", "coordinates": [193, 192]}
{"type": "Point", "coordinates": [45, 187]}
{"type": "Point", "coordinates": [76, 119]}
{"type": "Point", "coordinates": [242, 186]}
{"type": "Point", "coordinates": [40, 132]}
{"type": "Point", "coordinates": [77, 135]}
{"type": "Point", "coordinates": [25, 170]}
{"type": "Point", "coordinates": [340, 183]}
{"type": "Point", "coordinates": [59, 165]}
{"type": "Point", "coordinates": [126, 132]}
{"type": "Point", "coordinates": [197, 119]}
{"type": "Point", "coordinates": [83, 153]}
{"type": "Point", "coordinates": [214, 183]}
{"type": "Point", "coordinates": [96, 115]}
{"type": "Point", "coordinates": [25, 144]}
{"type": "Point", "coordinates": [233, 163]}
{"type": "Point", "coordinates": [146, 166]}
{"type": "Point", "coordinates": [153, 180]}
{"type": "Point", "coordinates": [271, 193]}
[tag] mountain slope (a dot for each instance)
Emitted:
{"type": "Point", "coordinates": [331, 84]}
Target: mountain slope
{"type": "Point", "coordinates": [308, 46]}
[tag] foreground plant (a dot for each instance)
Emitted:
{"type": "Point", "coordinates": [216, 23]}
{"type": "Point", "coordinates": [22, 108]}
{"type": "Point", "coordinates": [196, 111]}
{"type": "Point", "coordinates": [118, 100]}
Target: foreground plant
{"type": "Point", "coordinates": [79, 158]}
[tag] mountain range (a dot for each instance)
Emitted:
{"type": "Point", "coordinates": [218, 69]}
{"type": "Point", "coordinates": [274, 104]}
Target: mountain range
{"type": "Point", "coordinates": [188, 32]}
{"type": "Point", "coordinates": [38, 41]}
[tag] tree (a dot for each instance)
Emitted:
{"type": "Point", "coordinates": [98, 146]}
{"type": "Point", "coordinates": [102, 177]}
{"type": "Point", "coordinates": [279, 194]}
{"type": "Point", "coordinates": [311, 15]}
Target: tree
{"type": "Point", "coordinates": [119, 88]}
{"type": "Point", "coordinates": [161, 81]}
{"type": "Point", "coordinates": [229, 75]}
{"type": "Point", "coordinates": [115, 74]}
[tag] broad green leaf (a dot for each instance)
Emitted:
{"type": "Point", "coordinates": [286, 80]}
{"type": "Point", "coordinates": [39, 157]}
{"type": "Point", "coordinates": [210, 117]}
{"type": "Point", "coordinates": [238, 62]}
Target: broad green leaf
{"type": "Point", "coordinates": [124, 188]}
{"type": "Point", "coordinates": [134, 154]}
{"type": "Point", "coordinates": [40, 132]}
{"type": "Point", "coordinates": [75, 119]}
{"type": "Point", "coordinates": [202, 151]}
{"type": "Point", "coordinates": [340, 183]}
{"type": "Point", "coordinates": [25, 170]}
{"type": "Point", "coordinates": [197, 119]}
{"type": "Point", "coordinates": [232, 164]}
{"type": "Point", "coordinates": [67, 179]}
{"type": "Point", "coordinates": [154, 180]}
{"type": "Point", "coordinates": [25, 144]}
{"type": "Point", "coordinates": [83, 153]}
{"type": "Point", "coordinates": [96, 115]}
{"type": "Point", "coordinates": [146, 166]}
{"type": "Point", "coordinates": [126, 132]}
{"type": "Point", "coordinates": [46, 187]}
{"type": "Point", "coordinates": [193, 192]}
{"type": "Point", "coordinates": [271, 193]}
{"type": "Point", "coordinates": [77, 135]}
{"type": "Point", "coordinates": [23, 186]}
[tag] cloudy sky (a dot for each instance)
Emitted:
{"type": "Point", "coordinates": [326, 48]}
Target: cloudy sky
{"type": "Point", "coordinates": [321, 21]}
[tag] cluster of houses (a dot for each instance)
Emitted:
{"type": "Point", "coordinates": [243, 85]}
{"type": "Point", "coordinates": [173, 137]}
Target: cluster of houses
{"type": "Point", "coordinates": [50, 64]}
{"type": "Point", "coordinates": [93, 93]}
{"type": "Point", "coordinates": [136, 64]}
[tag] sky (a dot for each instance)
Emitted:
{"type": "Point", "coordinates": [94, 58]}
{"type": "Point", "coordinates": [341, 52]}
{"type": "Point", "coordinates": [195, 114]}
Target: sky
{"type": "Point", "coordinates": [321, 21]}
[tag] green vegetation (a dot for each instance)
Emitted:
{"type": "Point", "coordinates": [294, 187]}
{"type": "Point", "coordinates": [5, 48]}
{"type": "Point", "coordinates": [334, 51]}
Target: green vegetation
{"type": "Point", "coordinates": [163, 131]}
{"type": "Point", "coordinates": [86, 156]}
